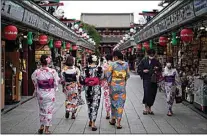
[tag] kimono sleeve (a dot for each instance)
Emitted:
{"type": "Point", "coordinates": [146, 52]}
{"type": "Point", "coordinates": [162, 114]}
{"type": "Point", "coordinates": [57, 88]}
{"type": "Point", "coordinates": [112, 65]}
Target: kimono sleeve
{"type": "Point", "coordinates": [177, 80]}
{"type": "Point", "coordinates": [57, 79]}
{"type": "Point", "coordinates": [127, 71]}
{"type": "Point", "coordinates": [108, 73]}
{"type": "Point", "coordinates": [140, 68]}
{"type": "Point", "coordinates": [78, 74]}
{"type": "Point", "coordinates": [34, 79]}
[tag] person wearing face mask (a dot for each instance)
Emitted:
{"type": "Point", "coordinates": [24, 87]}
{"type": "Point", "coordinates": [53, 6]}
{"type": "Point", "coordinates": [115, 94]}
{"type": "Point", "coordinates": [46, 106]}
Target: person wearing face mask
{"type": "Point", "coordinates": [149, 69]}
{"type": "Point", "coordinates": [171, 82]}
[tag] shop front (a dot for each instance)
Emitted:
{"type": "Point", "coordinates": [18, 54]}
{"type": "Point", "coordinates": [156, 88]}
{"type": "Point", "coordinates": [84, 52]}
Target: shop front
{"type": "Point", "coordinates": [23, 23]}
{"type": "Point", "coordinates": [182, 25]}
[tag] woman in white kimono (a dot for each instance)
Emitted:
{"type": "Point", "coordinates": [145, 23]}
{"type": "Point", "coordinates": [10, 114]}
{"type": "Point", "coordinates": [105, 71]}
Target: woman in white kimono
{"type": "Point", "coordinates": [70, 80]}
{"type": "Point", "coordinates": [46, 82]}
{"type": "Point", "coordinates": [171, 83]}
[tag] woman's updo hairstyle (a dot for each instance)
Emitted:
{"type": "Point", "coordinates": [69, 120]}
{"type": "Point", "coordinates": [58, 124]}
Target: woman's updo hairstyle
{"type": "Point", "coordinates": [92, 58]}
{"type": "Point", "coordinates": [69, 61]}
{"type": "Point", "coordinates": [43, 59]}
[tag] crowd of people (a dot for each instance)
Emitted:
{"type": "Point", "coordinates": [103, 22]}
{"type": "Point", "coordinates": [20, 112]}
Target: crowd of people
{"type": "Point", "coordinates": [107, 74]}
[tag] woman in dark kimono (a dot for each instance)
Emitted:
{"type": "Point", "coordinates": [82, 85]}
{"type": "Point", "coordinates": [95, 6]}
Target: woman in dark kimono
{"type": "Point", "coordinates": [93, 75]}
{"type": "Point", "coordinates": [149, 70]}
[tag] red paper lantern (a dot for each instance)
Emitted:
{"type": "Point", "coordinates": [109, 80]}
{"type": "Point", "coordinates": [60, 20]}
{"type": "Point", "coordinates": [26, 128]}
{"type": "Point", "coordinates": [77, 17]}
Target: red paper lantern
{"type": "Point", "coordinates": [139, 46]}
{"type": "Point", "coordinates": [163, 41]}
{"type": "Point", "coordinates": [68, 46]}
{"type": "Point", "coordinates": [186, 35]}
{"type": "Point", "coordinates": [10, 32]}
{"type": "Point", "coordinates": [130, 49]}
{"type": "Point", "coordinates": [75, 47]}
{"type": "Point", "coordinates": [58, 44]}
{"type": "Point", "coordinates": [43, 39]}
{"type": "Point", "coordinates": [146, 45]}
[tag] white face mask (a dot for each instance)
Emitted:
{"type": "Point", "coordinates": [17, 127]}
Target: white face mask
{"type": "Point", "coordinates": [169, 65]}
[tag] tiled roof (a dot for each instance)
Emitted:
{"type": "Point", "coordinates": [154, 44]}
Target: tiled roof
{"type": "Point", "coordinates": [108, 20]}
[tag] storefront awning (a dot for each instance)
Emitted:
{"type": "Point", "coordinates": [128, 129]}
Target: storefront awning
{"type": "Point", "coordinates": [32, 15]}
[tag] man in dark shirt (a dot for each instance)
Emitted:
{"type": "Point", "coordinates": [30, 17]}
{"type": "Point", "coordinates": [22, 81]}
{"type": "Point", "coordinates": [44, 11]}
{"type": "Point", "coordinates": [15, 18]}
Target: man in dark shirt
{"type": "Point", "coordinates": [148, 69]}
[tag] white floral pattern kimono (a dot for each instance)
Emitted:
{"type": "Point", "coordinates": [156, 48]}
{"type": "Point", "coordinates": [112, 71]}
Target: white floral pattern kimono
{"type": "Point", "coordinates": [46, 82]}
{"type": "Point", "coordinates": [171, 82]}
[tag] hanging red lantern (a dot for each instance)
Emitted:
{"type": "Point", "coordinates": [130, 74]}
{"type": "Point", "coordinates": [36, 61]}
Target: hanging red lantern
{"type": "Point", "coordinates": [186, 35]}
{"type": "Point", "coordinates": [74, 47]}
{"type": "Point", "coordinates": [146, 45]}
{"type": "Point", "coordinates": [68, 46]}
{"type": "Point", "coordinates": [10, 32]}
{"type": "Point", "coordinates": [130, 50]}
{"type": "Point", "coordinates": [139, 46]}
{"type": "Point", "coordinates": [163, 41]}
{"type": "Point", "coordinates": [43, 39]}
{"type": "Point", "coordinates": [58, 44]}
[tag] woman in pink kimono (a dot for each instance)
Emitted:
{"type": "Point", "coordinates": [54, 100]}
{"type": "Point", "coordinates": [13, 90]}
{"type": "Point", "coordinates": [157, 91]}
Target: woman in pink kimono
{"type": "Point", "coordinates": [105, 86]}
{"type": "Point", "coordinates": [46, 82]}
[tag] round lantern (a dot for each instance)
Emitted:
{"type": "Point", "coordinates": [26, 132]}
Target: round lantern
{"type": "Point", "coordinates": [43, 39]}
{"type": "Point", "coordinates": [58, 44]}
{"type": "Point", "coordinates": [10, 32]}
{"type": "Point", "coordinates": [146, 45]}
{"type": "Point", "coordinates": [186, 35]}
{"type": "Point", "coordinates": [130, 50]}
{"type": "Point", "coordinates": [75, 47]}
{"type": "Point", "coordinates": [68, 46]}
{"type": "Point", "coordinates": [163, 41]}
{"type": "Point", "coordinates": [139, 46]}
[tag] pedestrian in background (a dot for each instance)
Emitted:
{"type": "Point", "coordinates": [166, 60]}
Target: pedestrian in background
{"type": "Point", "coordinates": [70, 77]}
{"type": "Point", "coordinates": [118, 73]}
{"type": "Point", "coordinates": [93, 75]}
{"type": "Point", "coordinates": [171, 84]}
{"type": "Point", "coordinates": [46, 81]}
{"type": "Point", "coordinates": [105, 85]}
{"type": "Point", "coordinates": [149, 69]}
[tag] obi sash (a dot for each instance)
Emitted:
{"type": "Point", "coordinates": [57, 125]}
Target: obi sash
{"type": "Point", "coordinates": [170, 79]}
{"type": "Point", "coordinates": [119, 74]}
{"type": "Point", "coordinates": [46, 84]}
{"type": "Point", "coordinates": [70, 77]}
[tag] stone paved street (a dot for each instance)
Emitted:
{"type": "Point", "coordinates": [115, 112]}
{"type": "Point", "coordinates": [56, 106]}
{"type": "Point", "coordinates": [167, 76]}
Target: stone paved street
{"type": "Point", "coordinates": [24, 119]}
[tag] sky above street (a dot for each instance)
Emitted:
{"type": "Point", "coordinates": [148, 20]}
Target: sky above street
{"type": "Point", "coordinates": [73, 9]}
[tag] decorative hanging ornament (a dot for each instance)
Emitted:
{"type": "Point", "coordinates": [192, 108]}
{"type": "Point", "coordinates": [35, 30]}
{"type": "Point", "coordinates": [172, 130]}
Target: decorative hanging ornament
{"type": "Point", "coordinates": [151, 44]}
{"type": "Point", "coordinates": [75, 47]}
{"type": "Point", "coordinates": [58, 44]}
{"type": "Point", "coordinates": [130, 50]}
{"type": "Point", "coordinates": [51, 43]}
{"type": "Point", "coordinates": [10, 32]}
{"type": "Point", "coordinates": [68, 46]}
{"type": "Point", "coordinates": [29, 38]}
{"type": "Point", "coordinates": [63, 45]}
{"type": "Point", "coordinates": [139, 46]}
{"type": "Point", "coordinates": [186, 35]}
{"type": "Point", "coordinates": [174, 40]}
{"type": "Point", "coordinates": [163, 41]}
{"type": "Point", "coordinates": [146, 45]}
{"type": "Point", "coordinates": [43, 39]}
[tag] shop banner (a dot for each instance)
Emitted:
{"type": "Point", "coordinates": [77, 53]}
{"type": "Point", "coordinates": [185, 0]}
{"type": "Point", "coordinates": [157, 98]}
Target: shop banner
{"type": "Point", "coordinates": [200, 7]}
{"type": "Point", "coordinates": [31, 19]}
{"type": "Point", "coordinates": [12, 10]}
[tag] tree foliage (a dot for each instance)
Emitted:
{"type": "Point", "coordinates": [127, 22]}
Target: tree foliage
{"type": "Point", "coordinates": [94, 34]}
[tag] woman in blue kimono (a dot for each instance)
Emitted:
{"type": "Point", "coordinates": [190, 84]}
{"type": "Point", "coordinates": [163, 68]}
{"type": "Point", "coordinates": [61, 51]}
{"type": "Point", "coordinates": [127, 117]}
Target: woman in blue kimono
{"type": "Point", "coordinates": [118, 73]}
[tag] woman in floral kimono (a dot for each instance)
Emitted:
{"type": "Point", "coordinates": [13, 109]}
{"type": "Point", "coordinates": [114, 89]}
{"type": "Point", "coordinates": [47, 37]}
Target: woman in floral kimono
{"type": "Point", "coordinates": [118, 73]}
{"type": "Point", "coordinates": [171, 82]}
{"type": "Point", "coordinates": [46, 82]}
{"type": "Point", "coordinates": [105, 85]}
{"type": "Point", "coordinates": [93, 74]}
{"type": "Point", "coordinates": [70, 75]}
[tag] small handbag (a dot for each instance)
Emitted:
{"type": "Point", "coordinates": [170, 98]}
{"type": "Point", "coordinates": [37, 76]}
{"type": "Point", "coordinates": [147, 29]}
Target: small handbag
{"type": "Point", "coordinates": [178, 99]}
